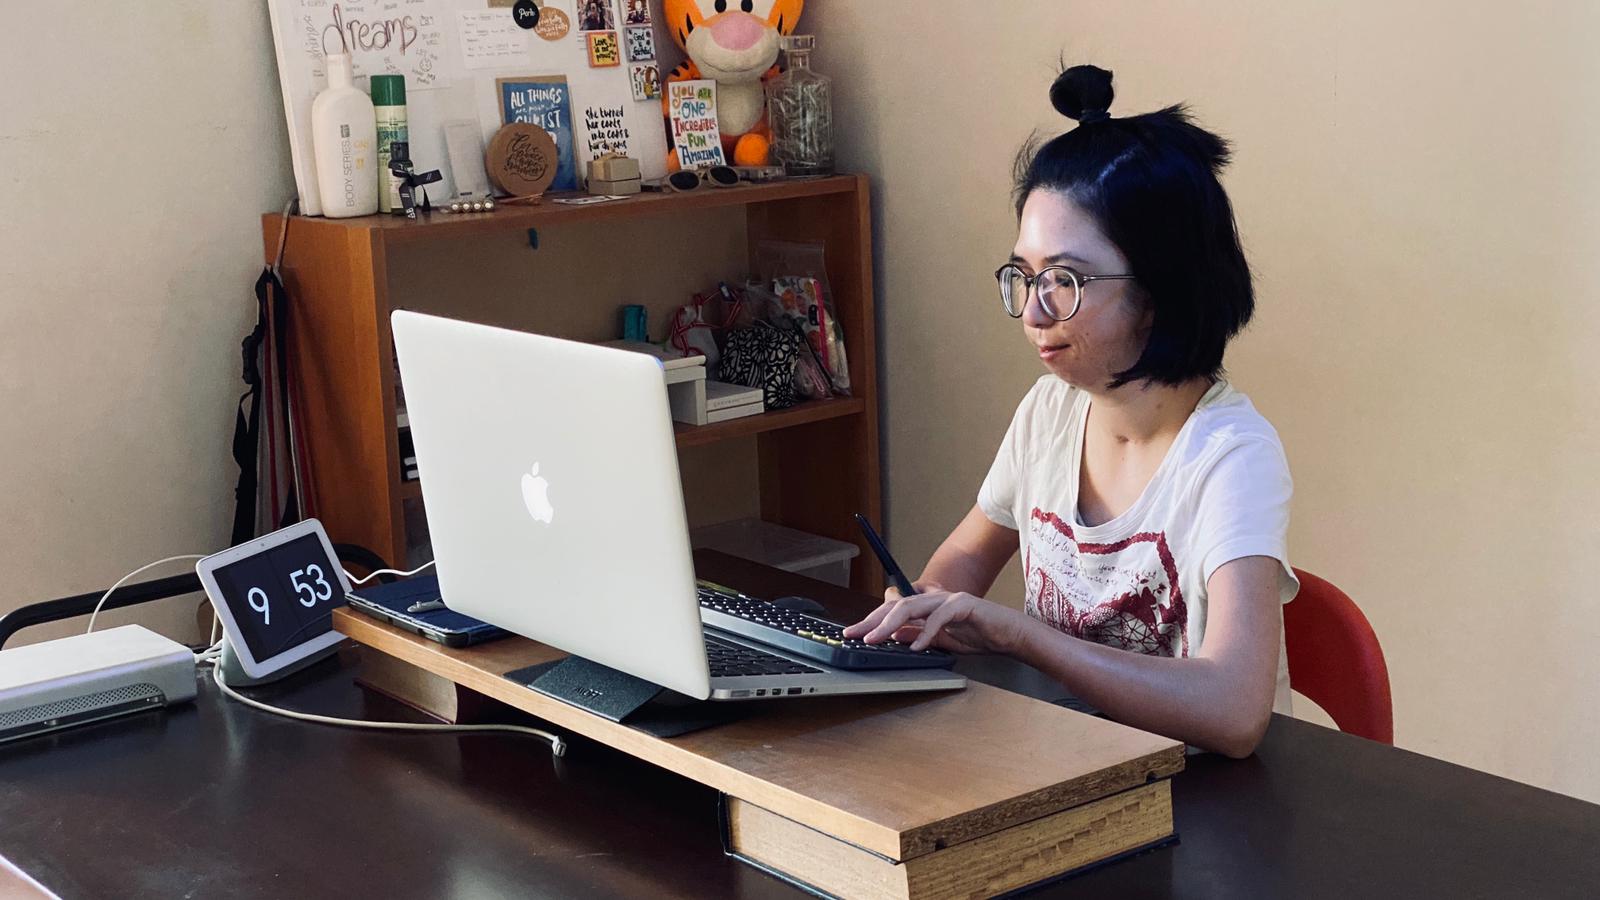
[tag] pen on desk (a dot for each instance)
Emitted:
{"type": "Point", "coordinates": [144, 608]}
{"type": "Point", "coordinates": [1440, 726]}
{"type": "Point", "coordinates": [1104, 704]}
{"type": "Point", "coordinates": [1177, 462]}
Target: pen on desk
{"type": "Point", "coordinates": [882, 552]}
{"type": "Point", "coordinates": [426, 606]}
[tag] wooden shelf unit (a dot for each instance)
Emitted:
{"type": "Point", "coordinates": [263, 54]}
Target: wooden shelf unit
{"type": "Point", "coordinates": [818, 462]}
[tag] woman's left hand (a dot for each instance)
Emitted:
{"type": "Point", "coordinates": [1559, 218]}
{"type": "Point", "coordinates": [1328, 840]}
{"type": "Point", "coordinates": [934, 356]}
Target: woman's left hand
{"type": "Point", "coordinates": [958, 622]}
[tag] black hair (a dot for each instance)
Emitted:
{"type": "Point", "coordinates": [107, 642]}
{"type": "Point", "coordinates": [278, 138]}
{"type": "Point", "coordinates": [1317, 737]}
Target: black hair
{"type": "Point", "coordinates": [1150, 182]}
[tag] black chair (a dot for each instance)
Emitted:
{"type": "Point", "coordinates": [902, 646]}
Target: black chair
{"type": "Point", "coordinates": [147, 591]}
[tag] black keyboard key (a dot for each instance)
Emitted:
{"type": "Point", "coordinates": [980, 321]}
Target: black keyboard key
{"type": "Point", "coordinates": [728, 659]}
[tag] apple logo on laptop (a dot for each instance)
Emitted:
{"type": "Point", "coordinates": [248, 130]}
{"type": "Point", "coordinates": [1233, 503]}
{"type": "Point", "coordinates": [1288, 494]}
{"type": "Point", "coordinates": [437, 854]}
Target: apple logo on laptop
{"type": "Point", "coordinates": [536, 496]}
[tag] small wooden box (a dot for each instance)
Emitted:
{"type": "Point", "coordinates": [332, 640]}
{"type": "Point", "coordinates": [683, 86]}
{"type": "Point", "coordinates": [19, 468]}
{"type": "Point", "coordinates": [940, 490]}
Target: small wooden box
{"type": "Point", "coordinates": [624, 187]}
{"type": "Point", "coordinates": [614, 168]}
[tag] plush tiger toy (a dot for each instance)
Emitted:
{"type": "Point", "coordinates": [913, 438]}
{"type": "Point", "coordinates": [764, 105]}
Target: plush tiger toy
{"type": "Point", "coordinates": [735, 44]}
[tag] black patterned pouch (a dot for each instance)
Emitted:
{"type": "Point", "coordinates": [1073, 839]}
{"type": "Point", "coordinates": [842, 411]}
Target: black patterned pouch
{"type": "Point", "coordinates": [762, 356]}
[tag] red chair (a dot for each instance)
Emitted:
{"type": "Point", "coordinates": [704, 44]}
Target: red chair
{"type": "Point", "coordinates": [1335, 660]}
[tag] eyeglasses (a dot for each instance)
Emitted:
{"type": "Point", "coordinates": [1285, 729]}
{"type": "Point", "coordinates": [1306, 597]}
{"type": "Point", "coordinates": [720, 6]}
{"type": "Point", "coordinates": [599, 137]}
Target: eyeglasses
{"type": "Point", "coordinates": [1060, 287]}
{"type": "Point", "coordinates": [691, 179]}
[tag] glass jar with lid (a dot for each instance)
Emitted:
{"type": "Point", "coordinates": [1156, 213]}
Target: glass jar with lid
{"type": "Point", "coordinates": [800, 111]}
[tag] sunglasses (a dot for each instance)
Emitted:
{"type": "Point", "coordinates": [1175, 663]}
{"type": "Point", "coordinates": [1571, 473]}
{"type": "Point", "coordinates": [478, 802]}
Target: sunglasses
{"type": "Point", "coordinates": [692, 179]}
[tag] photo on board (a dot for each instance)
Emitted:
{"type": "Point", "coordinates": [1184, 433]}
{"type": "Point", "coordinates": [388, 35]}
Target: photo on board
{"type": "Point", "coordinates": [596, 15]}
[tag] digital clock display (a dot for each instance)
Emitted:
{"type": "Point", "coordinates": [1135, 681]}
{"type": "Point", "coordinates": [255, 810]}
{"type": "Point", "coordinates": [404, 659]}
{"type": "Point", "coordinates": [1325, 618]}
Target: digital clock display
{"type": "Point", "coordinates": [282, 597]}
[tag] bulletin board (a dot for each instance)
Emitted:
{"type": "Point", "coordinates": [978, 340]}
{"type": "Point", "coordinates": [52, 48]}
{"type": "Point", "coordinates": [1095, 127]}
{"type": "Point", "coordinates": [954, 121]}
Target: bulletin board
{"type": "Point", "coordinates": [455, 54]}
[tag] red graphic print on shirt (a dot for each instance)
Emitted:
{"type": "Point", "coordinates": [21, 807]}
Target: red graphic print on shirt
{"type": "Point", "coordinates": [1123, 595]}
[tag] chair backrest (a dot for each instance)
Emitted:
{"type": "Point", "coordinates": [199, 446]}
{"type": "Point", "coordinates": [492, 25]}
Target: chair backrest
{"type": "Point", "coordinates": [1335, 659]}
{"type": "Point", "coordinates": [82, 604]}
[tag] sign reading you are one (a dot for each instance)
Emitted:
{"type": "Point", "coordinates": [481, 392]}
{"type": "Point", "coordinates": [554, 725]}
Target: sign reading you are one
{"type": "Point", "coordinates": [692, 106]}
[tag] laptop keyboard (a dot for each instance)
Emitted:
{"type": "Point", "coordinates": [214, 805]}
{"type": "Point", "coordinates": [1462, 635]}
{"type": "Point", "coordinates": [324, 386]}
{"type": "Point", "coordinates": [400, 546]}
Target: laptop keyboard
{"type": "Point", "coordinates": [728, 659]}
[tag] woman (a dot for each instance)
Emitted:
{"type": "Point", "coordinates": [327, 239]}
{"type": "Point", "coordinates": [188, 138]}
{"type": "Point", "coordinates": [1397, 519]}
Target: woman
{"type": "Point", "coordinates": [1149, 499]}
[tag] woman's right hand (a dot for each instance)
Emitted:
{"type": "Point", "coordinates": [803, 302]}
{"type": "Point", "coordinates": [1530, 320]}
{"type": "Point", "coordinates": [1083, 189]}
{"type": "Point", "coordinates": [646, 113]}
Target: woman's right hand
{"type": "Point", "coordinates": [934, 617]}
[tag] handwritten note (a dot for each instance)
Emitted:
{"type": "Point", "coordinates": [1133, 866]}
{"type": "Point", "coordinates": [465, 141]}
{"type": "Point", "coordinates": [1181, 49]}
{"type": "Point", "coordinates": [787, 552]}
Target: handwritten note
{"type": "Point", "coordinates": [491, 39]}
{"type": "Point", "coordinates": [692, 106]}
{"type": "Point", "coordinates": [394, 37]}
{"type": "Point", "coordinates": [605, 130]}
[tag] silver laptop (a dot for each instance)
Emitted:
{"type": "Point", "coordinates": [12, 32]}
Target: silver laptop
{"type": "Point", "coordinates": [550, 478]}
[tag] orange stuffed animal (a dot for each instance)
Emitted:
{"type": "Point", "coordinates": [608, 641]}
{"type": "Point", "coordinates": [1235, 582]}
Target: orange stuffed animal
{"type": "Point", "coordinates": [735, 44]}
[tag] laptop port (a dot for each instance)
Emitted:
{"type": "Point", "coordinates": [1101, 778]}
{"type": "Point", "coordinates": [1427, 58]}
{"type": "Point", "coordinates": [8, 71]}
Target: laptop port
{"type": "Point", "coordinates": [795, 691]}
{"type": "Point", "coordinates": [762, 692]}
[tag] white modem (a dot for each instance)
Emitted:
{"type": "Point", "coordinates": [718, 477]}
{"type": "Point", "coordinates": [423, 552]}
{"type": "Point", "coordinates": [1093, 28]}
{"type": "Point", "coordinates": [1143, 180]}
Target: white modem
{"type": "Point", "coordinates": [88, 677]}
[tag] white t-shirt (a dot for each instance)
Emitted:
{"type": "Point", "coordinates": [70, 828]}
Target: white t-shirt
{"type": "Point", "coordinates": [1138, 582]}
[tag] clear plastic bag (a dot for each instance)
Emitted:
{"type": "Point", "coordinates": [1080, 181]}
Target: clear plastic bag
{"type": "Point", "coordinates": [798, 276]}
{"type": "Point", "coordinates": [811, 381]}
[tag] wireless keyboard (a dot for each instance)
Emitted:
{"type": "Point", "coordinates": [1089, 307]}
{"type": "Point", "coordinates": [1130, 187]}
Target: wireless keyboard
{"type": "Point", "coordinates": [808, 636]}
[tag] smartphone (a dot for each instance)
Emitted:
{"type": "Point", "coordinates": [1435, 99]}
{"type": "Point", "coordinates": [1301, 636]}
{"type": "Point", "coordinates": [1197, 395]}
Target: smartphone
{"type": "Point", "coordinates": [390, 602]}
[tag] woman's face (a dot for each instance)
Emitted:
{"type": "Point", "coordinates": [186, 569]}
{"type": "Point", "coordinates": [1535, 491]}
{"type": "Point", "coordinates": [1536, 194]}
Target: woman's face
{"type": "Point", "coordinates": [1108, 333]}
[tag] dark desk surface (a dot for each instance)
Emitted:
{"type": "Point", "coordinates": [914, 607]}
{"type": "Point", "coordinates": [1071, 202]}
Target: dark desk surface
{"type": "Point", "coordinates": [215, 799]}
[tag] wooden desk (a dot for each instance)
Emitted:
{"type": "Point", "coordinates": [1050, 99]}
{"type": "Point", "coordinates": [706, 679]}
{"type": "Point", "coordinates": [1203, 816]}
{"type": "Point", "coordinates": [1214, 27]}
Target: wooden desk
{"type": "Point", "coordinates": [214, 799]}
{"type": "Point", "coordinates": [891, 797]}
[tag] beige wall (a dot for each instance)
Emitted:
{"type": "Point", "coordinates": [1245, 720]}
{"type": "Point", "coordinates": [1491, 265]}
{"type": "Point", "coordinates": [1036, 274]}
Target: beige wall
{"type": "Point", "coordinates": [1417, 190]}
{"type": "Point", "coordinates": [137, 150]}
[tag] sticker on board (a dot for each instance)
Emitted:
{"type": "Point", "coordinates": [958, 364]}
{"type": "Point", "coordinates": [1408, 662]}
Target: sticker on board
{"type": "Point", "coordinates": [646, 78]}
{"type": "Point", "coordinates": [641, 43]}
{"type": "Point", "coordinates": [553, 24]}
{"type": "Point", "coordinates": [603, 49]}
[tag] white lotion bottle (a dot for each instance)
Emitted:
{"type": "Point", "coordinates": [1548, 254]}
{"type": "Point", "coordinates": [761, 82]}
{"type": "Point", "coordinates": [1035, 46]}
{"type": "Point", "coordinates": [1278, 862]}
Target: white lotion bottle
{"type": "Point", "coordinates": [344, 137]}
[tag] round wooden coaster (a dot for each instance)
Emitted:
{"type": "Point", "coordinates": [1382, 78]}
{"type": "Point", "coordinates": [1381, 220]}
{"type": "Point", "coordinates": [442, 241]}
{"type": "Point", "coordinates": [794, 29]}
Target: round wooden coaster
{"type": "Point", "coordinates": [522, 159]}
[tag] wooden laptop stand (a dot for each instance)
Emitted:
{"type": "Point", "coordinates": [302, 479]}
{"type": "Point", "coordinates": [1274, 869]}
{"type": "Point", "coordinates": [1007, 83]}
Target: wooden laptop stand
{"type": "Point", "coordinates": [961, 794]}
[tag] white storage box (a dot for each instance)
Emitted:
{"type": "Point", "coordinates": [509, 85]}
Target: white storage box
{"type": "Point", "coordinates": [686, 380]}
{"type": "Point", "coordinates": [783, 548]}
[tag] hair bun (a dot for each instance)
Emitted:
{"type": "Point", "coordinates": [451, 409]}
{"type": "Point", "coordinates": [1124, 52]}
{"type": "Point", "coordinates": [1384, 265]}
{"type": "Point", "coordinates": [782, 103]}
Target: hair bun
{"type": "Point", "coordinates": [1082, 93]}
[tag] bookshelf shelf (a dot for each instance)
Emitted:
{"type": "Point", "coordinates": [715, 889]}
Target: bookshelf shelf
{"type": "Point", "coordinates": [548, 212]}
{"type": "Point", "coordinates": [805, 413]}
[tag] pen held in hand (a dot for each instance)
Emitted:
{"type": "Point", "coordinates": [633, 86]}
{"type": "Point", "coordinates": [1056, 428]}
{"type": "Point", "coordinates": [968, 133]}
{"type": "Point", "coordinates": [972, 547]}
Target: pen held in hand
{"type": "Point", "coordinates": [882, 552]}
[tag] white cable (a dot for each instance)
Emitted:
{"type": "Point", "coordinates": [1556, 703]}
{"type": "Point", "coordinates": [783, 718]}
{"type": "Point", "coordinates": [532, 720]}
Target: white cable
{"type": "Point", "coordinates": [372, 575]}
{"type": "Point", "coordinates": [123, 579]}
{"type": "Point", "coordinates": [210, 653]}
{"type": "Point", "coordinates": [557, 745]}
